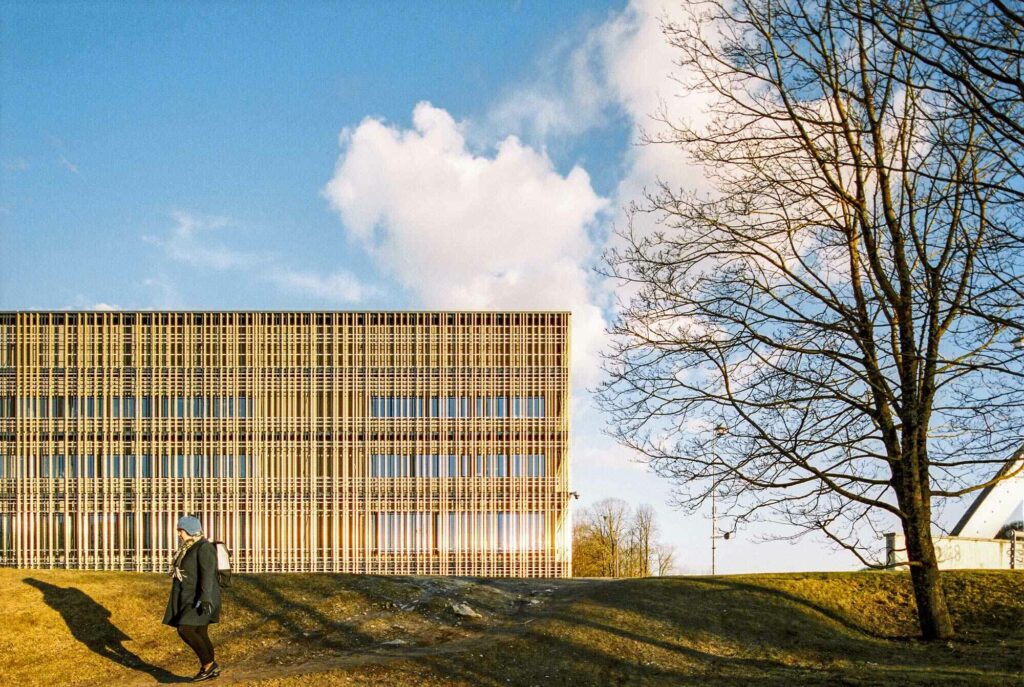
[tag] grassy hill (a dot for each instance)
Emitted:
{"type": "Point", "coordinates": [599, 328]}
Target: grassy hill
{"type": "Point", "coordinates": [75, 628]}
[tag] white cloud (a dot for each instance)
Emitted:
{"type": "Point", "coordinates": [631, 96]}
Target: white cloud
{"type": "Point", "coordinates": [623, 65]}
{"type": "Point", "coordinates": [338, 287]}
{"type": "Point", "coordinates": [569, 97]}
{"type": "Point", "coordinates": [464, 230]}
{"type": "Point", "coordinates": [461, 230]}
{"type": "Point", "coordinates": [506, 230]}
{"type": "Point", "coordinates": [626, 65]}
{"type": "Point", "coordinates": [641, 73]}
{"type": "Point", "coordinates": [81, 302]}
{"type": "Point", "coordinates": [188, 242]}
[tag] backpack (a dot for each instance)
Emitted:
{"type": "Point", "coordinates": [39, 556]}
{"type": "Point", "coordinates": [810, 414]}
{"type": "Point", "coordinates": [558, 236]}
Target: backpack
{"type": "Point", "coordinates": [223, 563]}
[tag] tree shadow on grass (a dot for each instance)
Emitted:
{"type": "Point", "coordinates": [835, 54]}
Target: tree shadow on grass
{"type": "Point", "coordinates": [786, 597]}
{"type": "Point", "coordinates": [623, 633]}
{"type": "Point", "coordinates": [89, 623]}
{"type": "Point", "coordinates": [301, 622]}
{"type": "Point", "coordinates": [774, 630]}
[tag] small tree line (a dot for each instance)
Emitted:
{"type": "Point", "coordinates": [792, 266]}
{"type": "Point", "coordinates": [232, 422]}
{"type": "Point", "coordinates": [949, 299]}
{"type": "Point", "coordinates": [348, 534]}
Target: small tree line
{"type": "Point", "coordinates": [612, 539]}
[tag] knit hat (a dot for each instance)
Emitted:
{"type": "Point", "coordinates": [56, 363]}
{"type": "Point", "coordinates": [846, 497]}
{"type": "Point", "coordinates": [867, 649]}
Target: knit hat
{"type": "Point", "coordinates": [191, 525]}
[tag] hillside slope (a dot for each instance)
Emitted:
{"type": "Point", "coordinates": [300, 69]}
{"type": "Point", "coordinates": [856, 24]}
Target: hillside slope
{"type": "Point", "coordinates": [86, 628]}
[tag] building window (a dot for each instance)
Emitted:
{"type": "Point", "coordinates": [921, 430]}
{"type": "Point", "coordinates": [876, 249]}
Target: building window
{"type": "Point", "coordinates": [406, 532]}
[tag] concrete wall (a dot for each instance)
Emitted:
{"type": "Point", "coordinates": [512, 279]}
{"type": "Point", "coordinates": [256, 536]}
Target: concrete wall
{"type": "Point", "coordinates": [959, 553]}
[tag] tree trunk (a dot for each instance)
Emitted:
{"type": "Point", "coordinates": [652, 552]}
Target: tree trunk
{"type": "Point", "coordinates": [932, 611]}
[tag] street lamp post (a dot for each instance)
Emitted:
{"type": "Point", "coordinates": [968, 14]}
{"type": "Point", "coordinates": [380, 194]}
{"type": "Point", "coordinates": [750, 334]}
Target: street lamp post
{"type": "Point", "coordinates": [720, 431]}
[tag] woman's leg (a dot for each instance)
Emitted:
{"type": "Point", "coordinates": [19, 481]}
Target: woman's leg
{"type": "Point", "coordinates": [199, 642]}
{"type": "Point", "coordinates": [204, 635]}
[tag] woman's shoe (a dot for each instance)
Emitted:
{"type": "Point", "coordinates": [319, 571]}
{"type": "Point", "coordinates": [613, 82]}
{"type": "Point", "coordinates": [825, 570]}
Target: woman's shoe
{"type": "Point", "coordinates": [208, 674]}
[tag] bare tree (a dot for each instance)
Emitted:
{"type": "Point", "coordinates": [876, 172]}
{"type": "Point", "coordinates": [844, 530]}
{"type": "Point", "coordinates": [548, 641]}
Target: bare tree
{"type": "Point", "coordinates": [607, 521]}
{"type": "Point", "coordinates": [847, 302]}
{"type": "Point", "coordinates": [589, 555]}
{"type": "Point", "coordinates": [643, 530]}
{"type": "Point", "coordinates": [612, 540]}
{"type": "Point", "coordinates": [972, 52]}
{"type": "Point", "coordinates": [664, 559]}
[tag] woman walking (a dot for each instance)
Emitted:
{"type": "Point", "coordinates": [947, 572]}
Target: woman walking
{"type": "Point", "coordinates": [195, 594]}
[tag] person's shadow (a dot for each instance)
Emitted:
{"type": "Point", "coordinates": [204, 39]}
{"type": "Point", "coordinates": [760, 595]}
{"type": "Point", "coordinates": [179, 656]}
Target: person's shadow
{"type": "Point", "coordinates": [90, 624]}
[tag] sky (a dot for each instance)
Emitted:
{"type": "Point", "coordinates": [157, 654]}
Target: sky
{"type": "Point", "coordinates": [320, 156]}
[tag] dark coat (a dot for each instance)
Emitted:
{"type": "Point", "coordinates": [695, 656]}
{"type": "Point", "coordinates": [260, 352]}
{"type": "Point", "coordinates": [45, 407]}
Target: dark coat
{"type": "Point", "coordinates": [199, 569]}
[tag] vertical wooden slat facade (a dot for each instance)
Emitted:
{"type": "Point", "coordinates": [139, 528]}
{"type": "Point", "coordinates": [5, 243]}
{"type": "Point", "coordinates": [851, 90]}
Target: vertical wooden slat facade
{"type": "Point", "coordinates": [363, 442]}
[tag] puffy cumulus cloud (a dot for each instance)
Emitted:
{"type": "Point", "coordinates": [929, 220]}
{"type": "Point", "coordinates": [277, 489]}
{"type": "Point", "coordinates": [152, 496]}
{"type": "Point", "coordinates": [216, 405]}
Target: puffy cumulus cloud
{"type": "Point", "coordinates": [506, 230]}
{"type": "Point", "coordinates": [464, 230]}
{"type": "Point", "coordinates": [639, 65]}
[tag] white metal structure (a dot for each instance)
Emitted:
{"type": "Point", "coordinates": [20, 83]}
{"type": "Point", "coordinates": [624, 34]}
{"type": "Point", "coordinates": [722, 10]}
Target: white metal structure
{"type": "Point", "coordinates": [972, 542]}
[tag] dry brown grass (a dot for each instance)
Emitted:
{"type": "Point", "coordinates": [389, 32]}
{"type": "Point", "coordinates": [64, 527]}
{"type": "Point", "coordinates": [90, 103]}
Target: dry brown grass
{"type": "Point", "coordinates": [80, 628]}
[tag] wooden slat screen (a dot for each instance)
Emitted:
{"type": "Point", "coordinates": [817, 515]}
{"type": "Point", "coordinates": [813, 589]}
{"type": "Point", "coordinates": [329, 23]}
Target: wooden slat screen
{"type": "Point", "coordinates": [363, 442]}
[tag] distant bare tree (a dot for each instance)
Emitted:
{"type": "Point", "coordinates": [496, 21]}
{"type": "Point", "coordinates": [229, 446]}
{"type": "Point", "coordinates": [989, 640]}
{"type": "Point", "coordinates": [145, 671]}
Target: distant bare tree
{"type": "Point", "coordinates": [608, 520]}
{"type": "Point", "coordinates": [612, 540]}
{"type": "Point", "coordinates": [643, 530]}
{"type": "Point", "coordinates": [664, 559]}
{"type": "Point", "coordinates": [846, 303]}
{"type": "Point", "coordinates": [589, 556]}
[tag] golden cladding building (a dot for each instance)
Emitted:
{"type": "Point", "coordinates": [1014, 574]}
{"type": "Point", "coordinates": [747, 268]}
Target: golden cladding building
{"type": "Point", "coordinates": [361, 442]}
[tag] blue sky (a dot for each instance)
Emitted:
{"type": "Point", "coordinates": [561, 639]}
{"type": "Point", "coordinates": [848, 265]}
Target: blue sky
{"type": "Point", "coordinates": [346, 156]}
{"type": "Point", "coordinates": [116, 116]}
